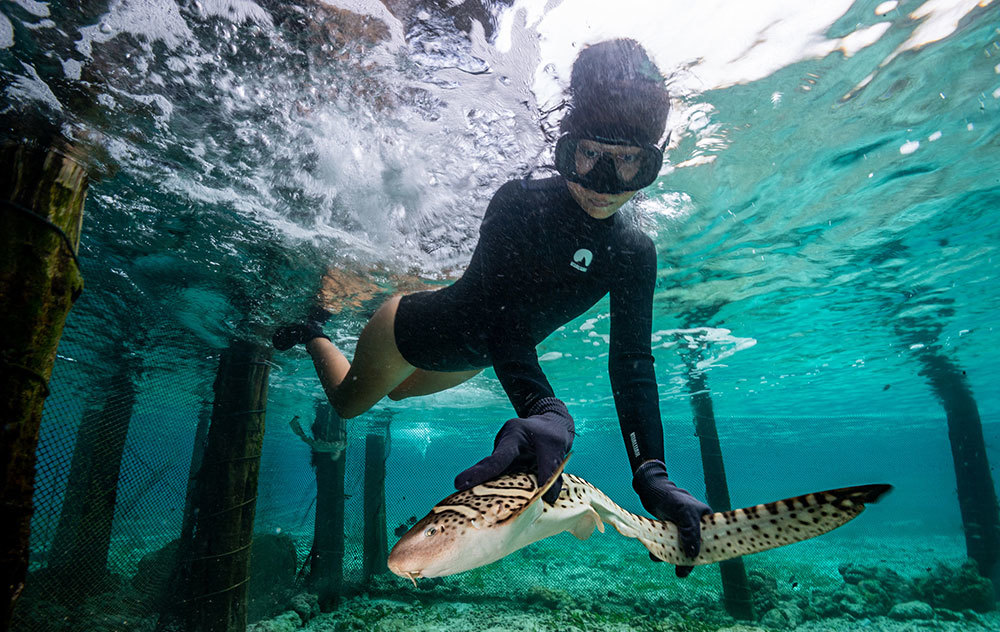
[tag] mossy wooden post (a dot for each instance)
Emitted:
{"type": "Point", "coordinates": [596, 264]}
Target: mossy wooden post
{"type": "Point", "coordinates": [977, 498]}
{"type": "Point", "coordinates": [326, 574]}
{"type": "Point", "coordinates": [376, 545]}
{"type": "Point", "coordinates": [79, 552]}
{"type": "Point", "coordinates": [41, 211]}
{"type": "Point", "coordinates": [197, 458]}
{"type": "Point", "coordinates": [216, 595]}
{"type": "Point", "coordinates": [735, 588]}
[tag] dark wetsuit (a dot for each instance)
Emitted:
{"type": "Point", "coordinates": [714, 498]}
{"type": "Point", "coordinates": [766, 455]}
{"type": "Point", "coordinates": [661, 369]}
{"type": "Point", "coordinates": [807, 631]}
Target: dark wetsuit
{"type": "Point", "coordinates": [542, 261]}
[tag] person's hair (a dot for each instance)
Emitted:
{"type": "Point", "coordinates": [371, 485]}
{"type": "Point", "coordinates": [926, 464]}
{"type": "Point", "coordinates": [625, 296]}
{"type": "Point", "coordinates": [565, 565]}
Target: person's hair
{"type": "Point", "coordinates": [617, 93]}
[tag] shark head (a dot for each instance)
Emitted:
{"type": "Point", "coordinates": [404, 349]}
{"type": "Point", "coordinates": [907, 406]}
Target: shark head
{"type": "Point", "coordinates": [470, 528]}
{"type": "Point", "coordinates": [442, 543]}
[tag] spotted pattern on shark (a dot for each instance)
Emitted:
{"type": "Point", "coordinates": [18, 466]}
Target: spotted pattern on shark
{"type": "Point", "coordinates": [475, 527]}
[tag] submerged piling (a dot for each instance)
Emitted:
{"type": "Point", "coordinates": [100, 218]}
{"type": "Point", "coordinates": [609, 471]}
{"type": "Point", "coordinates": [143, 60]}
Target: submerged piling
{"type": "Point", "coordinates": [42, 192]}
{"type": "Point", "coordinates": [977, 498]}
{"type": "Point", "coordinates": [735, 588]}
{"type": "Point", "coordinates": [326, 573]}
{"type": "Point", "coordinates": [172, 613]}
{"type": "Point", "coordinates": [79, 552]}
{"type": "Point", "coordinates": [197, 458]}
{"type": "Point", "coordinates": [217, 576]}
{"type": "Point", "coordinates": [376, 546]}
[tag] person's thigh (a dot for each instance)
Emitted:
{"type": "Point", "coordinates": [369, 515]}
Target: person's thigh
{"type": "Point", "coordinates": [422, 382]}
{"type": "Point", "coordinates": [377, 368]}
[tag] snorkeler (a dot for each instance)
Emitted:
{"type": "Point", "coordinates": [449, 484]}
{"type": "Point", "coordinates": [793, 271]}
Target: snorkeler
{"type": "Point", "coordinates": [548, 250]}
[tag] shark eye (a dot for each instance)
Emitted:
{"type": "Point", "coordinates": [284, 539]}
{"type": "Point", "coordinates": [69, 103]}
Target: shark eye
{"type": "Point", "coordinates": [429, 531]}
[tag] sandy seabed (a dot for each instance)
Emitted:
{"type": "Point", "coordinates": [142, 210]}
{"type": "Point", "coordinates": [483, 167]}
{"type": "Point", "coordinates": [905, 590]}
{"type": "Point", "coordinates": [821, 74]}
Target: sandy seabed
{"type": "Point", "coordinates": [886, 584]}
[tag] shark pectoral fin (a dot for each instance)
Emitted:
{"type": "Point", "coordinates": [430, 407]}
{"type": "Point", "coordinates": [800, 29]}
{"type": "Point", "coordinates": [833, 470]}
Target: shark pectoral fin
{"type": "Point", "coordinates": [530, 514]}
{"type": "Point", "coordinates": [585, 524]}
{"type": "Point", "coordinates": [542, 488]}
{"type": "Point", "coordinates": [622, 527]}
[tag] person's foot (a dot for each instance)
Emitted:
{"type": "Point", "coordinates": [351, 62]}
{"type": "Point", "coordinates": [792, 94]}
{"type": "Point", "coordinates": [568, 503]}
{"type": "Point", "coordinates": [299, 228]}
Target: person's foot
{"type": "Point", "coordinates": [287, 336]}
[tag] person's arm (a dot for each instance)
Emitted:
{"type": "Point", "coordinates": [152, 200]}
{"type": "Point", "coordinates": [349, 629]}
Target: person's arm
{"type": "Point", "coordinates": [542, 433]}
{"type": "Point", "coordinates": [505, 248]}
{"type": "Point", "coordinates": [633, 381]}
{"type": "Point", "coordinates": [630, 361]}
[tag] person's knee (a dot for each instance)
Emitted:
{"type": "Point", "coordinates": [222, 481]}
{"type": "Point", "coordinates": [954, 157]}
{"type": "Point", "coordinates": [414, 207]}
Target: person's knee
{"type": "Point", "coordinates": [398, 395]}
{"type": "Point", "coordinates": [346, 409]}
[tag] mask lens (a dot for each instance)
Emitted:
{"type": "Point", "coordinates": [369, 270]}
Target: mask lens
{"type": "Point", "coordinates": [607, 171]}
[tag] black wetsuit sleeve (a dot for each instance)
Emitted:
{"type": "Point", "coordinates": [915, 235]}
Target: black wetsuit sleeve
{"type": "Point", "coordinates": [630, 361]}
{"type": "Point", "coordinates": [505, 240]}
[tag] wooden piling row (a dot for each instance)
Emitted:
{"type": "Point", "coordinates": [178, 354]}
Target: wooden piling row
{"type": "Point", "coordinates": [79, 552]}
{"type": "Point", "coordinates": [215, 597]}
{"type": "Point", "coordinates": [376, 548]}
{"type": "Point", "coordinates": [42, 192]}
{"type": "Point", "coordinates": [326, 576]}
{"type": "Point", "coordinates": [977, 497]}
{"type": "Point", "coordinates": [736, 593]}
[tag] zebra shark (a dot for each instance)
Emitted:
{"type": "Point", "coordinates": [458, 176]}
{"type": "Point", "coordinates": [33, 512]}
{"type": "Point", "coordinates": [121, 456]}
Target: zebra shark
{"type": "Point", "coordinates": [481, 525]}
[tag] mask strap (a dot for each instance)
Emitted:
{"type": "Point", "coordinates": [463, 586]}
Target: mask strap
{"type": "Point", "coordinates": [666, 141]}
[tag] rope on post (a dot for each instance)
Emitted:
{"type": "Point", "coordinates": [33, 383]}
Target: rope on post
{"type": "Point", "coordinates": [217, 592]}
{"type": "Point", "coordinates": [217, 555]}
{"type": "Point", "coordinates": [231, 507]}
{"type": "Point", "coordinates": [29, 372]}
{"type": "Point", "coordinates": [14, 206]}
{"type": "Point", "coordinates": [242, 412]}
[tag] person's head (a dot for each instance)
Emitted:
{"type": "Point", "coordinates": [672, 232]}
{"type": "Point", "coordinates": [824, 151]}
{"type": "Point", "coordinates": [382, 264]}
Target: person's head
{"type": "Point", "coordinates": [608, 148]}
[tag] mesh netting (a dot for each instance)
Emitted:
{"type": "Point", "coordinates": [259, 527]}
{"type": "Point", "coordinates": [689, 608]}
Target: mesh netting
{"type": "Point", "coordinates": [126, 402]}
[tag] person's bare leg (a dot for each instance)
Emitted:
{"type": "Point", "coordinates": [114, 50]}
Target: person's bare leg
{"type": "Point", "coordinates": [377, 369]}
{"type": "Point", "coordinates": [423, 382]}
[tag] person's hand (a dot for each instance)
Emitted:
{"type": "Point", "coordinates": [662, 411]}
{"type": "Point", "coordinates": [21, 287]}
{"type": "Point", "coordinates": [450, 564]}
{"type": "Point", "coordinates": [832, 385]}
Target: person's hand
{"type": "Point", "coordinates": [539, 441]}
{"type": "Point", "coordinates": [666, 501]}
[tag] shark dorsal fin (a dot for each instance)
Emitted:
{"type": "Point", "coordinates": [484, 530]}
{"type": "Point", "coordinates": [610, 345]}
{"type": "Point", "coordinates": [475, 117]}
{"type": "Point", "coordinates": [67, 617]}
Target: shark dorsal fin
{"type": "Point", "coordinates": [540, 491]}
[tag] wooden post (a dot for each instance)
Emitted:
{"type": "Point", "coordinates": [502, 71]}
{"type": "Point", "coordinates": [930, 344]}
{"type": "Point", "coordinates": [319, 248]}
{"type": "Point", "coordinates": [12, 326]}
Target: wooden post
{"type": "Point", "coordinates": [326, 575]}
{"type": "Point", "coordinates": [42, 192]}
{"type": "Point", "coordinates": [736, 592]}
{"type": "Point", "coordinates": [218, 581]}
{"type": "Point", "coordinates": [197, 458]}
{"type": "Point", "coordinates": [735, 588]}
{"type": "Point", "coordinates": [79, 553]}
{"type": "Point", "coordinates": [172, 609]}
{"type": "Point", "coordinates": [376, 546]}
{"type": "Point", "coordinates": [977, 498]}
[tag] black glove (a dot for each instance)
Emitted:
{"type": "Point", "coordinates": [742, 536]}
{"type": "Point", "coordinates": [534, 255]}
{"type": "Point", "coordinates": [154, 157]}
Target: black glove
{"type": "Point", "coordinates": [538, 442]}
{"type": "Point", "coordinates": [287, 336]}
{"type": "Point", "coordinates": [666, 501]}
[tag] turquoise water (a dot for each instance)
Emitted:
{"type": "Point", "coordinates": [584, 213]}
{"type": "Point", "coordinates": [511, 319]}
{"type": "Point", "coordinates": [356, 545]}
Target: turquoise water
{"type": "Point", "coordinates": [826, 222]}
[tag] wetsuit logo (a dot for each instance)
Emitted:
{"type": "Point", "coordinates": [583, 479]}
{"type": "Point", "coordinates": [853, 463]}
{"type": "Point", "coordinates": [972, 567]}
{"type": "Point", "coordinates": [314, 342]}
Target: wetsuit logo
{"type": "Point", "coordinates": [581, 259]}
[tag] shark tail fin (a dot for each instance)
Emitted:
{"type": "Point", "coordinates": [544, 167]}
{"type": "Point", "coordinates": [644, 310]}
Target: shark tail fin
{"type": "Point", "coordinates": [786, 521]}
{"type": "Point", "coordinates": [544, 487]}
{"type": "Point", "coordinates": [729, 534]}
